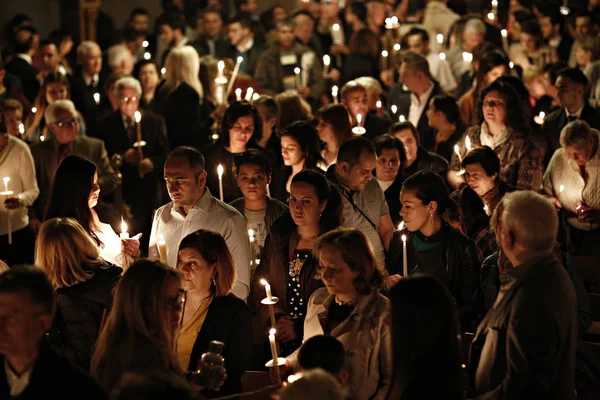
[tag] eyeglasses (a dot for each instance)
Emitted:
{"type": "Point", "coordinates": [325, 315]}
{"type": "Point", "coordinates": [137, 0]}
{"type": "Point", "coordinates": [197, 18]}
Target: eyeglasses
{"type": "Point", "coordinates": [128, 100]}
{"type": "Point", "coordinates": [493, 103]}
{"type": "Point", "coordinates": [67, 124]}
{"type": "Point", "coordinates": [176, 302]}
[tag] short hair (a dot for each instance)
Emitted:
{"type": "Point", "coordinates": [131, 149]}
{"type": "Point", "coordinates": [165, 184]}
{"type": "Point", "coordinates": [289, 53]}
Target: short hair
{"type": "Point", "coordinates": [475, 25]}
{"type": "Point", "coordinates": [10, 104]}
{"type": "Point", "coordinates": [590, 44]}
{"type": "Point", "coordinates": [370, 83]}
{"type": "Point", "coordinates": [484, 156]}
{"type": "Point", "coordinates": [33, 281]}
{"type": "Point", "coordinates": [85, 48]}
{"type": "Point", "coordinates": [269, 105]}
{"type": "Point", "coordinates": [352, 149]}
{"type": "Point", "coordinates": [253, 157]}
{"type": "Point", "coordinates": [389, 142]}
{"type": "Point", "coordinates": [402, 126]}
{"type": "Point", "coordinates": [117, 54]}
{"type": "Point", "coordinates": [138, 11]}
{"type": "Point", "coordinates": [553, 69]}
{"type": "Point", "coordinates": [574, 75]}
{"type": "Point", "coordinates": [324, 352]}
{"type": "Point", "coordinates": [285, 22]}
{"type": "Point", "coordinates": [235, 111]}
{"type": "Point", "coordinates": [174, 20]}
{"type": "Point", "coordinates": [141, 64]}
{"type": "Point", "coordinates": [428, 186]}
{"type": "Point", "coordinates": [350, 87]}
{"type": "Point", "coordinates": [359, 10]}
{"type": "Point", "coordinates": [447, 105]}
{"type": "Point", "coordinates": [48, 42]}
{"type": "Point", "coordinates": [531, 218]}
{"type": "Point", "coordinates": [214, 250]}
{"type": "Point", "coordinates": [357, 253]}
{"type": "Point", "coordinates": [417, 63]}
{"type": "Point", "coordinates": [56, 107]}
{"type": "Point", "coordinates": [128, 82]}
{"type": "Point", "coordinates": [532, 27]}
{"type": "Point", "coordinates": [241, 18]}
{"type": "Point", "coordinates": [193, 156]}
{"type": "Point", "coordinates": [418, 31]}
{"type": "Point", "coordinates": [577, 133]}
{"type": "Point", "coordinates": [210, 10]}
{"type": "Point", "coordinates": [24, 45]}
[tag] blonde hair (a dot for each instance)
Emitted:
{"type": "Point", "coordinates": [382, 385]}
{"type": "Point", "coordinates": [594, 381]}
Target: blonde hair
{"type": "Point", "coordinates": [3, 267]}
{"type": "Point", "coordinates": [64, 250]}
{"type": "Point", "coordinates": [85, 48]}
{"type": "Point", "coordinates": [183, 65]}
{"type": "Point", "coordinates": [135, 332]}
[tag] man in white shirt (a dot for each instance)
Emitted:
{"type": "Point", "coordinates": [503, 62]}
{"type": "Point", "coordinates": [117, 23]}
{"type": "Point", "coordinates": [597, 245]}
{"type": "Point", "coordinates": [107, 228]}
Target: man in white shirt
{"type": "Point", "coordinates": [192, 208]}
{"type": "Point", "coordinates": [244, 44]}
{"type": "Point", "coordinates": [16, 164]}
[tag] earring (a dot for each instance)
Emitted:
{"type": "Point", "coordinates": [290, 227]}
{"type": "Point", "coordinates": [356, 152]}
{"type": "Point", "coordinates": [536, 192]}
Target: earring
{"type": "Point", "coordinates": [214, 280]}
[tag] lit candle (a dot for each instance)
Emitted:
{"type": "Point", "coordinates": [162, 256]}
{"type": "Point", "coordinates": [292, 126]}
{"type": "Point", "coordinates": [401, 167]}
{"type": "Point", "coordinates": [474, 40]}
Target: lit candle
{"type": "Point", "coordinates": [504, 34]}
{"type": "Point", "coordinates": [334, 94]}
{"type": "Point", "coordinates": [238, 94]}
{"type": "Point", "coordinates": [359, 129]}
{"type": "Point", "coordinates": [147, 56]}
{"type": "Point", "coordinates": [336, 34]}
{"type": "Point", "coordinates": [326, 64]}
{"type": "Point", "coordinates": [491, 16]}
{"type": "Point", "coordinates": [404, 257]}
{"type": "Point", "coordinates": [163, 71]}
{"type": "Point", "coordinates": [401, 226]}
{"type": "Point", "coordinates": [468, 143]}
{"type": "Point", "coordinates": [220, 173]}
{"type": "Point", "coordinates": [21, 129]}
{"type": "Point", "coordinates": [97, 97]}
{"type": "Point", "coordinates": [6, 179]}
{"type": "Point", "coordinates": [255, 96]}
{"type": "Point", "coordinates": [442, 56]}
{"type": "Point", "coordinates": [511, 65]}
{"type": "Point", "coordinates": [378, 104]}
{"type": "Point", "coordinates": [251, 236]}
{"type": "Point", "coordinates": [139, 144]}
{"type": "Point", "coordinates": [467, 57]}
{"type": "Point", "coordinates": [275, 361]}
{"type": "Point", "coordinates": [394, 109]}
{"type": "Point", "coordinates": [457, 151]}
{"type": "Point", "coordinates": [384, 59]}
{"type": "Point", "coordinates": [486, 209]}
{"type": "Point", "coordinates": [561, 188]}
{"type": "Point", "coordinates": [539, 119]}
{"type": "Point", "coordinates": [33, 110]}
{"type": "Point", "coordinates": [297, 73]}
{"type": "Point", "coordinates": [124, 234]}
{"type": "Point", "coordinates": [440, 38]}
{"type": "Point", "coordinates": [402, 119]}
{"type": "Point", "coordinates": [249, 93]}
{"type": "Point", "coordinates": [221, 79]}
{"type": "Point", "coordinates": [267, 289]}
{"type": "Point", "coordinates": [162, 249]}
{"type": "Point", "coordinates": [145, 44]}
{"type": "Point", "coordinates": [397, 47]}
{"type": "Point", "coordinates": [7, 193]}
{"type": "Point", "coordinates": [234, 74]}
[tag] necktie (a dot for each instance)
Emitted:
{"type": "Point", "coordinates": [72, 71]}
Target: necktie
{"type": "Point", "coordinates": [571, 118]}
{"type": "Point", "coordinates": [130, 128]}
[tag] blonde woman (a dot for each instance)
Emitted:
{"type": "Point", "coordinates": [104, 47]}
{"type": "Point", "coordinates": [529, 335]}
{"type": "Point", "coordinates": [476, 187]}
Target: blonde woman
{"type": "Point", "coordinates": [179, 99]}
{"type": "Point", "coordinates": [83, 283]}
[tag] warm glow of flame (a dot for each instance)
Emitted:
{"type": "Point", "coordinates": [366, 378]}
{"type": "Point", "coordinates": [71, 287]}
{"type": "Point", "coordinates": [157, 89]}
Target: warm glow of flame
{"type": "Point", "coordinates": [378, 104]}
{"type": "Point", "coordinates": [397, 47]}
{"type": "Point", "coordinates": [440, 38]}
{"type": "Point", "coordinates": [401, 226]}
{"type": "Point", "coordinates": [336, 27]}
{"type": "Point", "coordinates": [220, 171]}
{"type": "Point", "coordinates": [504, 33]}
{"type": "Point", "coordinates": [403, 238]}
{"type": "Point", "coordinates": [402, 119]}
{"type": "Point", "coordinates": [457, 149]}
{"type": "Point", "coordinates": [137, 116]}
{"type": "Point", "coordinates": [468, 143]}
{"type": "Point", "coordinates": [221, 65]}
{"type": "Point", "coordinates": [272, 331]}
{"type": "Point", "coordinates": [123, 226]}
{"type": "Point", "coordinates": [21, 129]}
{"type": "Point", "coordinates": [264, 282]}
{"type": "Point", "coordinates": [240, 59]}
{"type": "Point", "coordinates": [334, 90]}
{"type": "Point", "coordinates": [34, 109]}
{"type": "Point", "coordinates": [561, 188]}
{"type": "Point", "coordinates": [326, 60]}
{"type": "Point", "coordinates": [358, 118]}
{"type": "Point", "coordinates": [394, 108]}
{"type": "Point", "coordinates": [297, 70]}
{"type": "Point", "coordinates": [250, 232]}
{"type": "Point", "coordinates": [384, 53]}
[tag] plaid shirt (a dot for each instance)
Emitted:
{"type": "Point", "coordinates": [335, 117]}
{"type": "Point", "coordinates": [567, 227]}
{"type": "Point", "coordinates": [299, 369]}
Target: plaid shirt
{"type": "Point", "coordinates": [520, 161]}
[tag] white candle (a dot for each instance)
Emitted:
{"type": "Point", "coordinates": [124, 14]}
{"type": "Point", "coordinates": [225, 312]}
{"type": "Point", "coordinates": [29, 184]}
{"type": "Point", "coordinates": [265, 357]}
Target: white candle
{"type": "Point", "coordinates": [378, 104]}
{"type": "Point", "coordinates": [326, 64]}
{"type": "Point", "coordinates": [359, 129]}
{"type": "Point", "coordinates": [467, 57]}
{"type": "Point", "coordinates": [394, 109]}
{"type": "Point", "coordinates": [457, 151]}
{"type": "Point", "coordinates": [504, 34]}
{"type": "Point", "coordinates": [7, 192]}
{"type": "Point", "coordinates": [442, 56]}
{"type": "Point", "coordinates": [336, 34]}
{"type": "Point", "coordinates": [384, 59]}
{"type": "Point", "coordinates": [33, 110]}
{"type": "Point", "coordinates": [97, 98]}
{"type": "Point", "coordinates": [297, 73]}
{"type": "Point", "coordinates": [6, 179]}
{"type": "Point", "coordinates": [234, 74]}
{"type": "Point", "coordinates": [273, 346]}
{"type": "Point", "coordinates": [334, 94]}
{"type": "Point", "coordinates": [220, 173]}
{"type": "Point", "coordinates": [21, 129]}
{"type": "Point", "coordinates": [238, 94]}
{"type": "Point", "coordinates": [249, 93]}
{"type": "Point", "coordinates": [162, 249]}
{"type": "Point", "coordinates": [402, 119]}
{"type": "Point", "coordinates": [468, 143]}
{"type": "Point", "coordinates": [255, 96]}
{"type": "Point", "coordinates": [221, 79]}
{"type": "Point", "coordinates": [269, 300]}
{"type": "Point", "coordinates": [440, 38]}
{"type": "Point", "coordinates": [267, 289]}
{"type": "Point", "coordinates": [404, 258]}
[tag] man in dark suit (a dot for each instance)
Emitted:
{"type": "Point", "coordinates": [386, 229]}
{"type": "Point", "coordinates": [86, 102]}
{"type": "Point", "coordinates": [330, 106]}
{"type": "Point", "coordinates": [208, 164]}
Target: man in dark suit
{"type": "Point", "coordinates": [243, 44]}
{"type": "Point", "coordinates": [20, 65]}
{"type": "Point", "coordinates": [61, 118]}
{"type": "Point", "coordinates": [414, 102]}
{"type": "Point", "coordinates": [211, 42]}
{"type": "Point", "coordinates": [142, 167]}
{"type": "Point", "coordinates": [355, 99]}
{"type": "Point", "coordinates": [31, 368]}
{"type": "Point", "coordinates": [571, 86]}
{"type": "Point", "coordinates": [525, 347]}
{"type": "Point", "coordinates": [87, 84]}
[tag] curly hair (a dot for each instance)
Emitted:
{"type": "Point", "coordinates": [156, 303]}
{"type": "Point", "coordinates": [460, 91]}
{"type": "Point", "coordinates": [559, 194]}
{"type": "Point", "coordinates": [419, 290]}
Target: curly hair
{"type": "Point", "coordinates": [516, 119]}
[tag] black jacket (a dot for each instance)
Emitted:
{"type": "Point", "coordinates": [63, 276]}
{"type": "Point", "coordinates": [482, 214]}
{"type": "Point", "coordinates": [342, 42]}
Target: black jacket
{"type": "Point", "coordinates": [426, 161]}
{"type": "Point", "coordinates": [79, 312]}
{"type": "Point", "coordinates": [54, 377]}
{"type": "Point", "coordinates": [27, 73]}
{"type": "Point", "coordinates": [221, 47]}
{"type": "Point", "coordinates": [252, 56]}
{"type": "Point", "coordinates": [229, 320]}
{"type": "Point", "coordinates": [392, 198]}
{"type": "Point", "coordinates": [556, 121]}
{"type": "Point", "coordinates": [375, 125]}
{"type": "Point", "coordinates": [83, 96]}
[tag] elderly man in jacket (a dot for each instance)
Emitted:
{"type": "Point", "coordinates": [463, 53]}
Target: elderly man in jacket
{"type": "Point", "coordinates": [525, 347]}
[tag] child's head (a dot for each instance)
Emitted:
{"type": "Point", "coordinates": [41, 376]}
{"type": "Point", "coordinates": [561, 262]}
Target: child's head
{"type": "Point", "coordinates": [325, 352]}
{"type": "Point", "coordinates": [12, 116]}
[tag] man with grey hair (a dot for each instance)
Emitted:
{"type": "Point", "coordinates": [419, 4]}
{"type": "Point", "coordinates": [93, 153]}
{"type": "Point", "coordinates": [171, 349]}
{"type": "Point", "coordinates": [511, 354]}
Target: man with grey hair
{"type": "Point", "coordinates": [142, 166]}
{"type": "Point", "coordinates": [473, 35]}
{"type": "Point", "coordinates": [525, 346]}
{"type": "Point", "coordinates": [87, 86]}
{"type": "Point", "coordinates": [61, 119]}
{"type": "Point", "coordinates": [120, 59]}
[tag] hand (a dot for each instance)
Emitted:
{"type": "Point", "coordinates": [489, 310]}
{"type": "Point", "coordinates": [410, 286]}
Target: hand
{"type": "Point", "coordinates": [131, 247]}
{"type": "Point", "coordinates": [132, 156]}
{"type": "Point", "coordinates": [13, 203]}
{"type": "Point", "coordinates": [284, 371]}
{"type": "Point", "coordinates": [146, 166]}
{"type": "Point", "coordinates": [556, 203]}
{"type": "Point", "coordinates": [35, 224]}
{"type": "Point", "coordinates": [391, 281]}
{"type": "Point", "coordinates": [285, 329]}
{"type": "Point", "coordinates": [304, 91]}
{"type": "Point", "coordinates": [335, 75]}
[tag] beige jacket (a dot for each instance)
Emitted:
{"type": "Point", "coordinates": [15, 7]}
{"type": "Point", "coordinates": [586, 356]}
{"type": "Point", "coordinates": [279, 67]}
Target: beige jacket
{"type": "Point", "coordinates": [366, 336]}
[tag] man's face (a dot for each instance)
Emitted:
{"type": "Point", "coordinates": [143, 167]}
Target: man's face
{"type": "Point", "coordinates": [285, 36]}
{"type": "Point", "coordinates": [472, 40]}
{"type": "Point", "coordinates": [409, 77]}
{"type": "Point", "coordinates": [49, 55]}
{"type": "Point", "coordinates": [12, 120]}
{"type": "Point", "coordinates": [303, 28]}
{"type": "Point", "coordinates": [140, 23]}
{"type": "Point", "coordinates": [357, 103]}
{"type": "Point", "coordinates": [546, 27]}
{"type": "Point", "coordinates": [184, 184]}
{"type": "Point", "coordinates": [22, 324]}
{"type": "Point", "coordinates": [410, 143]}
{"type": "Point", "coordinates": [252, 181]}
{"type": "Point", "coordinates": [65, 127]}
{"type": "Point", "coordinates": [167, 34]}
{"type": "Point", "coordinates": [583, 27]}
{"type": "Point", "coordinates": [129, 101]}
{"type": "Point", "coordinates": [528, 42]}
{"type": "Point", "coordinates": [149, 76]}
{"type": "Point", "coordinates": [569, 94]}
{"type": "Point", "coordinates": [238, 34]}
{"type": "Point", "coordinates": [359, 175]}
{"type": "Point", "coordinates": [417, 45]}
{"type": "Point", "coordinates": [92, 62]}
{"type": "Point", "coordinates": [212, 24]}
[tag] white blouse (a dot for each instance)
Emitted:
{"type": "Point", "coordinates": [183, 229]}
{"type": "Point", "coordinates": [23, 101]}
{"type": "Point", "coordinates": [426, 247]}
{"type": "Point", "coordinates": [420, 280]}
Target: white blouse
{"type": "Point", "coordinates": [110, 249]}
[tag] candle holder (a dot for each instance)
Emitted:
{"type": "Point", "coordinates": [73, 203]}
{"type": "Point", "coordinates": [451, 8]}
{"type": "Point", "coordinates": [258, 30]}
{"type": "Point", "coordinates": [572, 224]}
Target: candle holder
{"type": "Point", "coordinates": [139, 144]}
{"type": "Point", "coordinates": [271, 363]}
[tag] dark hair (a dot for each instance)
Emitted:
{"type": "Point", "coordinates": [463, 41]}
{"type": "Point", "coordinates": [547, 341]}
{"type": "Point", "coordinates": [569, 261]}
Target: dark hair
{"type": "Point", "coordinates": [51, 78]}
{"type": "Point", "coordinates": [389, 142]}
{"type": "Point", "coordinates": [242, 18]}
{"type": "Point", "coordinates": [447, 105]}
{"type": "Point", "coordinates": [138, 11]}
{"type": "Point", "coordinates": [418, 31]}
{"type": "Point", "coordinates": [174, 20]}
{"type": "Point", "coordinates": [191, 154]}
{"type": "Point", "coordinates": [32, 281]}
{"type": "Point", "coordinates": [473, 217]}
{"type": "Point", "coordinates": [337, 116]}
{"type": "Point", "coordinates": [267, 17]}
{"type": "Point", "coordinates": [489, 61]}
{"type": "Point", "coordinates": [254, 157]}
{"type": "Point", "coordinates": [141, 64]}
{"type": "Point", "coordinates": [351, 150]}
{"type": "Point", "coordinates": [58, 35]}
{"type": "Point", "coordinates": [515, 115]}
{"type": "Point", "coordinates": [574, 75]}
{"type": "Point", "coordinates": [484, 156]}
{"type": "Point", "coordinates": [482, 49]}
{"type": "Point", "coordinates": [324, 352]}
{"type": "Point", "coordinates": [270, 106]}
{"type": "Point", "coordinates": [417, 63]}
{"type": "Point", "coordinates": [532, 27]}
{"type": "Point", "coordinates": [70, 193]}
{"type": "Point", "coordinates": [553, 70]}
{"type": "Point", "coordinates": [155, 386]}
{"type": "Point", "coordinates": [359, 10]}
{"type": "Point", "coordinates": [48, 42]}
{"type": "Point", "coordinates": [307, 137]}
{"type": "Point", "coordinates": [288, 21]}
{"type": "Point", "coordinates": [401, 126]}
{"type": "Point", "coordinates": [364, 42]}
{"type": "Point", "coordinates": [554, 14]}
{"type": "Point", "coordinates": [431, 346]}
{"type": "Point", "coordinates": [428, 186]}
{"type": "Point", "coordinates": [331, 217]}
{"type": "Point", "coordinates": [236, 111]}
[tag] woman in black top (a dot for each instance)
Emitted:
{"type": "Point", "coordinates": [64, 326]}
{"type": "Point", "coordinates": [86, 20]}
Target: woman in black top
{"type": "Point", "coordinates": [443, 115]}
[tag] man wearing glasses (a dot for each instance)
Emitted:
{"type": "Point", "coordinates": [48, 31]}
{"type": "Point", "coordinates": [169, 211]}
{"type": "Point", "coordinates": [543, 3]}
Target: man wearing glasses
{"type": "Point", "coordinates": [61, 118]}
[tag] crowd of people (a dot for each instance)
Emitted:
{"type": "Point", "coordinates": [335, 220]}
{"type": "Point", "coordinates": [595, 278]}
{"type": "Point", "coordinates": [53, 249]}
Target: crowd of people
{"type": "Point", "coordinates": [356, 190]}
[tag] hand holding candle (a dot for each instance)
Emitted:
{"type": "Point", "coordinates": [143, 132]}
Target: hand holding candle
{"type": "Point", "coordinates": [404, 258]}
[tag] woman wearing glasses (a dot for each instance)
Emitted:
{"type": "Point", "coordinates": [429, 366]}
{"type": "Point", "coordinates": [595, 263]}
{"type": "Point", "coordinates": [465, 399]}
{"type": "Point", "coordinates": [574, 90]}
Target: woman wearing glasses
{"type": "Point", "coordinates": [503, 127]}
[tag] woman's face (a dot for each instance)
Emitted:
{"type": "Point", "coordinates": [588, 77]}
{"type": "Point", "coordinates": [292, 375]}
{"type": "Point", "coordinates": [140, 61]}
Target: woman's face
{"type": "Point", "coordinates": [291, 152]}
{"type": "Point", "coordinates": [175, 297]}
{"type": "Point", "coordinates": [478, 179]}
{"type": "Point", "coordinates": [337, 275]}
{"type": "Point", "coordinates": [494, 108]}
{"type": "Point", "coordinates": [528, 42]}
{"type": "Point", "coordinates": [388, 165]}
{"type": "Point", "coordinates": [56, 91]}
{"type": "Point", "coordinates": [305, 206]}
{"type": "Point", "coordinates": [197, 272]}
{"type": "Point", "coordinates": [433, 117]}
{"type": "Point", "coordinates": [583, 57]}
{"type": "Point", "coordinates": [93, 199]}
{"type": "Point", "coordinates": [149, 77]}
{"type": "Point", "coordinates": [495, 73]}
{"type": "Point", "coordinates": [414, 213]}
{"type": "Point", "coordinates": [409, 142]}
{"type": "Point", "coordinates": [580, 153]}
{"type": "Point", "coordinates": [326, 132]}
{"type": "Point", "coordinates": [241, 131]}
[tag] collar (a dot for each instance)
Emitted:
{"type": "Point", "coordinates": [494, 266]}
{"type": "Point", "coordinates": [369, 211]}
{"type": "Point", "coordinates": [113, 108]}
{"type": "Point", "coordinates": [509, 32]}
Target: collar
{"type": "Point", "coordinates": [246, 47]}
{"type": "Point", "coordinates": [25, 57]}
{"type": "Point", "coordinates": [493, 197]}
{"type": "Point", "coordinates": [203, 204]}
{"type": "Point", "coordinates": [57, 145]}
{"type": "Point", "coordinates": [422, 99]}
{"type": "Point", "coordinates": [125, 118]}
{"type": "Point", "coordinates": [89, 79]}
{"type": "Point", "coordinates": [576, 113]}
{"type": "Point", "coordinates": [522, 271]}
{"type": "Point", "coordinates": [16, 383]}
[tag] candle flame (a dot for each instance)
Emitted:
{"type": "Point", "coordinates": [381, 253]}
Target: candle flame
{"type": "Point", "coordinates": [163, 71]}
{"type": "Point", "coordinates": [384, 53]}
{"type": "Point", "coordinates": [402, 119]}
{"type": "Point", "coordinates": [272, 332]}
{"type": "Point", "coordinates": [6, 179]}
{"type": "Point", "coordinates": [21, 129]}
{"type": "Point", "coordinates": [334, 90]}
{"type": "Point", "coordinates": [147, 56]}
{"type": "Point", "coordinates": [403, 238]}
{"type": "Point", "coordinates": [145, 44]}
{"type": "Point", "coordinates": [394, 108]}
{"type": "Point", "coordinates": [123, 226]}
{"type": "Point", "coordinates": [457, 150]}
{"type": "Point", "coordinates": [491, 16]}
{"type": "Point", "coordinates": [440, 38]}
{"type": "Point", "coordinates": [137, 116]}
{"type": "Point", "coordinates": [250, 232]}
{"type": "Point", "coordinates": [255, 96]}
{"type": "Point", "coordinates": [161, 239]}
{"type": "Point", "coordinates": [401, 226]}
{"type": "Point", "coordinates": [511, 65]}
{"type": "Point", "coordinates": [336, 27]}
{"type": "Point", "coordinates": [542, 114]}
{"type": "Point", "coordinates": [561, 188]}
{"type": "Point", "coordinates": [397, 47]}
{"type": "Point", "coordinates": [34, 109]}
{"type": "Point", "coordinates": [264, 282]}
{"type": "Point", "coordinates": [504, 33]}
{"type": "Point", "coordinates": [97, 97]}
{"type": "Point", "coordinates": [240, 59]}
{"type": "Point", "coordinates": [467, 57]}
{"type": "Point", "coordinates": [221, 65]}
{"type": "Point", "coordinates": [297, 70]}
{"type": "Point", "coordinates": [378, 104]}
{"type": "Point", "coordinates": [468, 143]}
{"type": "Point", "coordinates": [442, 56]}
{"type": "Point", "coordinates": [358, 118]}
{"type": "Point", "coordinates": [220, 171]}
{"type": "Point", "coordinates": [326, 60]}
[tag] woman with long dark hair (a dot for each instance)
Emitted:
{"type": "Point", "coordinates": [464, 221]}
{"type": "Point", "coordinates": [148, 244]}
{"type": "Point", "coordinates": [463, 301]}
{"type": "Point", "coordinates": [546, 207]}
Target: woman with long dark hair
{"type": "Point", "coordinates": [287, 262]}
{"type": "Point", "coordinates": [74, 195]}
{"type": "Point", "coordinates": [334, 129]}
{"type": "Point", "coordinates": [443, 115]}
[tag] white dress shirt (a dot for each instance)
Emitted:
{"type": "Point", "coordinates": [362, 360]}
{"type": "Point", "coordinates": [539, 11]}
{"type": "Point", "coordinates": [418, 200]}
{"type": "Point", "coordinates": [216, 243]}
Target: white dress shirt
{"type": "Point", "coordinates": [16, 163]}
{"type": "Point", "coordinates": [210, 214]}
{"type": "Point", "coordinates": [418, 104]}
{"type": "Point", "coordinates": [91, 79]}
{"type": "Point", "coordinates": [16, 383]}
{"type": "Point", "coordinates": [25, 57]}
